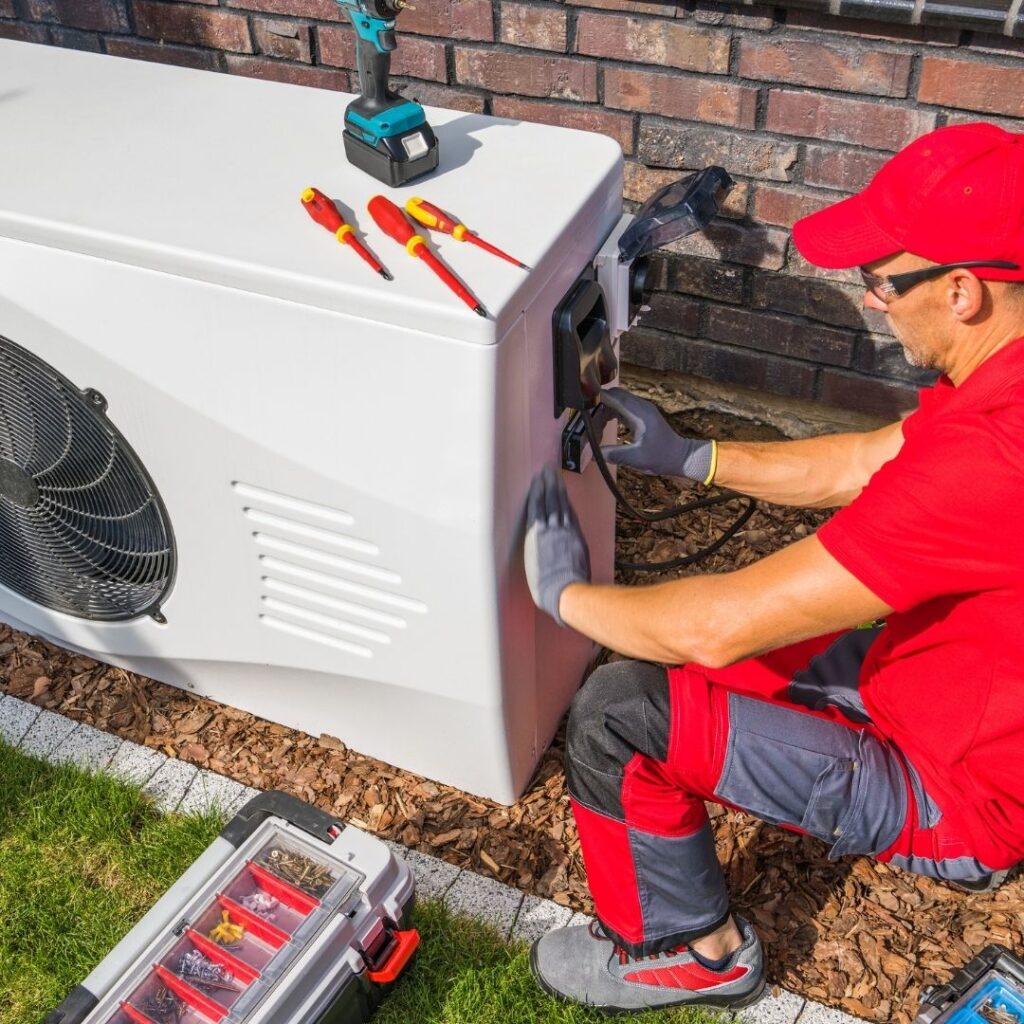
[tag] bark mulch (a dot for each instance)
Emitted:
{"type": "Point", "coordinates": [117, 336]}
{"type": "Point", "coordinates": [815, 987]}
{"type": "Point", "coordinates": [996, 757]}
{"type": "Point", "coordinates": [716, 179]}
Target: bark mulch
{"type": "Point", "coordinates": [853, 934]}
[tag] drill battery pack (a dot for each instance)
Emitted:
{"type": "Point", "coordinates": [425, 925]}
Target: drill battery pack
{"type": "Point", "coordinates": [288, 917]}
{"type": "Point", "coordinates": [987, 990]}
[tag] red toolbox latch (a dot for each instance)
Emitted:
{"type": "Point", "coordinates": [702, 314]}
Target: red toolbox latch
{"type": "Point", "coordinates": [388, 951]}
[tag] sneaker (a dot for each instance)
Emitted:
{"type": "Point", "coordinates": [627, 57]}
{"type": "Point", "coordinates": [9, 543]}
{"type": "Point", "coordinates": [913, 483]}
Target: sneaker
{"type": "Point", "coordinates": [583, 965]}
{"type": "Point", "coordinates": [987, 883]}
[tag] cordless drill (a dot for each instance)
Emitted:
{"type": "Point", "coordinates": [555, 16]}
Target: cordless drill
{"type": "Point", "coordinates": [385, 135]}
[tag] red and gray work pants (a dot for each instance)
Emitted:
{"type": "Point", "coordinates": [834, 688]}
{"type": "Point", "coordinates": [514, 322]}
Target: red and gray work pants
{"type": "Point", "coordinates": [784, 737]}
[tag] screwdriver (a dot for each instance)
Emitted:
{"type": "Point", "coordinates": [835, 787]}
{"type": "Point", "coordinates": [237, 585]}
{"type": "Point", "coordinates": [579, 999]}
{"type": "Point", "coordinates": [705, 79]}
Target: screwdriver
{"type": "Point", "coordinates": [429, 215]}
{"type": "Point", "coordinates": [324, 212]}
{"type": "Point", "coordinates": [391, 221]}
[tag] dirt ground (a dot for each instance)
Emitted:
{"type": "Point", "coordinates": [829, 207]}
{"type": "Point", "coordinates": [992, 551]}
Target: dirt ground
{"type": "Point", "coordinates": [851, 934]}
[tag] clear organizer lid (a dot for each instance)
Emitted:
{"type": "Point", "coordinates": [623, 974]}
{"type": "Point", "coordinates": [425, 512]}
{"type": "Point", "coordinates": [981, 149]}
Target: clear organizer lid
{"type": "Point", "coordinates": [218, 963]}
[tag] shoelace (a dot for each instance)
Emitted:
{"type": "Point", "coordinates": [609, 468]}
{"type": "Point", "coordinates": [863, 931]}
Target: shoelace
{"type": "Point", "coordinates": [625, 956]}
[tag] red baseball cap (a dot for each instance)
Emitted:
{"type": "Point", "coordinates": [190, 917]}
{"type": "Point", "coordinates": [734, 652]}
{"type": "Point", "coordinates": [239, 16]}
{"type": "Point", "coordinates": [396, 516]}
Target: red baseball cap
{"type": "Point", "coordinates": [953, 195]}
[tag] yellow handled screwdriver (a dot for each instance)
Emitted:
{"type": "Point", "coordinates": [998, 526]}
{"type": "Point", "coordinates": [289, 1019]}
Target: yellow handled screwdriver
{"type": "Point", "coordinates": [430, 216]}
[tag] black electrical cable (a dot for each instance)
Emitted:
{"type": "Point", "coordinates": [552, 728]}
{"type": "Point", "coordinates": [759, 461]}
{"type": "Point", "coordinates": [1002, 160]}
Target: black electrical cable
{"type": "Point", "coordinates": [674, 512]}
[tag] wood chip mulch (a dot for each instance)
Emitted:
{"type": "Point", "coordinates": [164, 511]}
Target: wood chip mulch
{"type": "Point", "coordinates": [852, 934]}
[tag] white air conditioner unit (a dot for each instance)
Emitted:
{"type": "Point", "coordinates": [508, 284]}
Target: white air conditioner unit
{"type": "Point", "coordinates": [234, 459]}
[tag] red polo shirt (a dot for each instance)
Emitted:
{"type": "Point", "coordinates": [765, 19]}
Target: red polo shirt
{"type": "Point", "coordinates": [936, 534]}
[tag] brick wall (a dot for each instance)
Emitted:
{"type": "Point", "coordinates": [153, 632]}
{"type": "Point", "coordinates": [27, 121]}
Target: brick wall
{"type": "Point", "coordinates": [799, 106]}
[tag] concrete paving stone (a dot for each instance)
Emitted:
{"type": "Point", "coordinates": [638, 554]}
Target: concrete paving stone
{"type": "Point", "coordinates": [246, 794]}
{"type": "Point", "coordinates": [537, 917]}
{"type": "Point", "coordinates": [816, 1013]}
{"type": "Point", "coordinates": [87, 747]}
{"type": "Point", "coordinates": [211, 792]}
{"type": "Point", "coordinates": [485, 899]}
{"type": "Point", "coordinates": [46, 734]}
{"type": "Point", "coordinates": [136, 764]}
{"type": "Point", "coordinates": [579, 918]}
{"type": "Point", "coordinates": [433, 877]}
{"type": "Point", "coordinates": [172, 781]}
{"type": "Point", "coordinates": [16, 718]}
{"type": "Point", "coordinates": [781, 1009]}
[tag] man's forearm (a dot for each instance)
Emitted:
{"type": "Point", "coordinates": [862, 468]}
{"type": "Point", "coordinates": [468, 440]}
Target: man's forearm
{"type": "Point", "coordinates": [819, 472]}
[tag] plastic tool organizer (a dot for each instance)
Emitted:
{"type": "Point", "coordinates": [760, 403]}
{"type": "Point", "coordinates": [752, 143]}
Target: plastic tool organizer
{"type": "Point", "coordinates": [988, 990]}
{"type": "Point", "coordinates": [288, 916]}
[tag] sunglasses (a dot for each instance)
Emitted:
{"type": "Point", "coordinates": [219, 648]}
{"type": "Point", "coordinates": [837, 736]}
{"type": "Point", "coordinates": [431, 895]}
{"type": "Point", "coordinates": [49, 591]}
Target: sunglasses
{"type": "Point", "coordinates": [887, 288]}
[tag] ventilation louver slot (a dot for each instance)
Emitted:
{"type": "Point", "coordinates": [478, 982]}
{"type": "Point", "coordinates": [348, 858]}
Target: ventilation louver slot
{"type": "Point", "coordinates": [82, 529]}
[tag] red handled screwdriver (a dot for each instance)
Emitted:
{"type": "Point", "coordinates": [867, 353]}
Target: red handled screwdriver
{"type": "Point", "coordinates": [325, 213]}
{"type": "Point", "coordinates": [430, 216]}
{"type": "Point", "coordinates": [391, 221]}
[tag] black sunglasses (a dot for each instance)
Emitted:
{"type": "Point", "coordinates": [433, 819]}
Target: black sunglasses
{"type": "Point", "coordinates": [886, 288]}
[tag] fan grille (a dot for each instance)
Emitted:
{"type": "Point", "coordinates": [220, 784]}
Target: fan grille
{"type": "Point", "coordinates": [82, 528]}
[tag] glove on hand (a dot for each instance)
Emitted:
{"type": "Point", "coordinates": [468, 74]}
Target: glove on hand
{"type": "Point", "coordinates": [656, 447]}
{"type": "Point", "coordinates": [555, 552]}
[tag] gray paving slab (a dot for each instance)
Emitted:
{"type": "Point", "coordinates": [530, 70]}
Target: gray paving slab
{"type": "Point", "coordinates": [241, 800]}
{"type": "Point", "coordinates": [87, 747]}
{"type": "Point", "coordinates": [485, 899]}
{"type": "Point", "coordinates": [816, 1013]}
{"type": "Point", "coordinates": [136, 764]}
{"type": "Point", "coordinates": [172, 781]}
{"type": "Point", "coordinates": [433, 877]}
{"type": "Point", "coordinates": [46, 734]}
{"type": "Point", "coordinates": [16, 718]}
{"type": "Point", "coordinates": [211, 792]}
{"type": "Point", "coordinates": [781, 1009]}
{"type": "Point", "coordinates": [537, 917]}
{"type": "Point", "coordinates": [579, 918]}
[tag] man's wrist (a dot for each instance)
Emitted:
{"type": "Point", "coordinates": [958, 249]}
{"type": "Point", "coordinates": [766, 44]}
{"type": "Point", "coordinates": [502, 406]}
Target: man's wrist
{"type": "Point", "coordinates": [570, 593]}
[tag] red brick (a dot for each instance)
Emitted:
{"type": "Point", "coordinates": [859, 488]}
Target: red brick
{"type": "Point", "coordinates": [862, 122]}
{"type": "Point", "coordinates": [641, 182]}
{"type": "Point", "coordinates": [784, 206]}
{"type": "Point", "coordinates": [970, 85]}
{"type": "Point", "coordinates": [664, 144]}
{"type": "Point", "coordinates": [849, 68]}
{"type": "Point", "coordinates": [653, 41]}
{"type": "Point", "coordinates": [784, 337]}
{"type": "Point", "coordinates": [585, 117]}
{"type": "Point", "coordinates": [665, 10]}
{"type": "Point", "coordinates": [415, 57]}
{"type": "Point", "coordinates": [848, 170]}
{"type": "Point", "coordinates": [863, 29]}
{"type": "Point", "coordinates": [195, 26]}
{"type": "Point", "coordinates": [431, 95]}
{"type": "Point", "coordinates": [451, 19]}
{"type": "Point", "coordinates": [866, 394]}
{"type": "Point", "coordinates": [564, 78]}
{"type": "Point", "coordinates": [287, 39]}
{"type": "Point", "coordinates": [988, 43]}
{"type": "Point", "coordinates": [671, 95]}
{"type": "Point", "coordinates": [542, 28]}
{"type": "Point", "coordinates": [90, 15]}
{"type": "Point", "coordinates": [321, 10]}
{"type": "Point", "coordinates": [293, 74]}
{"type": "Point", "coordinates": [1010, 124]}
{"type": "Point", "coordinates": [884, 357]}
{"type": "Point", "coordinates": [828, 301]}
{"type": "Point", "coordinates": [72, 39]}
{"type": "Point", "coordinates": [711, 279]}
{"type": "Point", "coordinates": [24, 33]}
{"type": "Point", "coordinates": [756, 19]}
{"type": "Point", "coordinates": [7, 9]}
{"type": "Point", "coordinates": [160, 53]}
{"type": "Point", "coordinates": [746, 368]}
{"type": "Point", "coordinates": [675, 313]}
{"type": "Point", "coordinates": [799, 266]}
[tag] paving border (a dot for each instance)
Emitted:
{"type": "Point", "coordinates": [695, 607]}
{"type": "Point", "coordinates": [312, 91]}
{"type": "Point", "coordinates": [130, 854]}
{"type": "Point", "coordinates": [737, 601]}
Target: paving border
{"type": "Point", "coordinates": [175, 785]}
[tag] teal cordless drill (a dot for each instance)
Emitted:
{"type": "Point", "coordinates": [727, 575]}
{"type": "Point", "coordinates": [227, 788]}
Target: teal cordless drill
{"type": "Point", "coordinates": [385, 135]}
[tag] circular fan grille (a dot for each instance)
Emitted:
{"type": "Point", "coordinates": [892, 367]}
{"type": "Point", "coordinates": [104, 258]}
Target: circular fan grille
{"type": "Point", "coordinates": [82, 529]}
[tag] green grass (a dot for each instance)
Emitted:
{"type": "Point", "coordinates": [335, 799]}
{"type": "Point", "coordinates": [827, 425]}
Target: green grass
{"type": "Point", "coordinates": [83, 857]}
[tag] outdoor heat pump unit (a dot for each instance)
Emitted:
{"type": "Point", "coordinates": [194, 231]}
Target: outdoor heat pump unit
{"type": "Point", "coordinates": [234, 459]}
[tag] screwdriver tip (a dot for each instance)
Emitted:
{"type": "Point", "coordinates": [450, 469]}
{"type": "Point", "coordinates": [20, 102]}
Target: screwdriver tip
{"type": "Point", "coordinates": [387, 276]}
{"type": "Point", "coordinates": [480, 311]}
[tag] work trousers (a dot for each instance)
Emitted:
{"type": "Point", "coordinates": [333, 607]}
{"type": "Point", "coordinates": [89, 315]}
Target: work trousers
{"type": "Point", "coordinates": [784, 737]}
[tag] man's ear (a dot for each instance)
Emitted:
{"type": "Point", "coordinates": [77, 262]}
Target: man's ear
{"type": "Point", "coordinates": [965, 294]}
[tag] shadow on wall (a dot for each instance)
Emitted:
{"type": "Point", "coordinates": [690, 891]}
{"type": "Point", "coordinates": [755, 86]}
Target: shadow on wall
{"type": "Point", "coordinates": [739, 305]}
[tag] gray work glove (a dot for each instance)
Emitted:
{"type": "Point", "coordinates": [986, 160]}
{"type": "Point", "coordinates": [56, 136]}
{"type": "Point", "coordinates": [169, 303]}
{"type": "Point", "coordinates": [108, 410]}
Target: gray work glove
{"type": "Point", "coordinates": [555, 553]}
{"type": "Point", "coordinates": [656, 447]}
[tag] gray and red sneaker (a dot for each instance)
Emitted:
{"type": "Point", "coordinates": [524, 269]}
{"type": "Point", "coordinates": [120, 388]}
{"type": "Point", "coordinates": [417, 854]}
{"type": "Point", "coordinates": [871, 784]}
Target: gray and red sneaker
{"type": "Point", "coordinates": [583, 965]}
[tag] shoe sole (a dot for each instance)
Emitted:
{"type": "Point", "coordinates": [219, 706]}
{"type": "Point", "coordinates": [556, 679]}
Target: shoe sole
{"type": "Point", "coordinates": [718, 1002]}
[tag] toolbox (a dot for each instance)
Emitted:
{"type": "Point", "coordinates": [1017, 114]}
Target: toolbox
{"type": "Point", "coordinates": [987, 990]}
{"type": "Point", "coordinates": [288, 916]}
